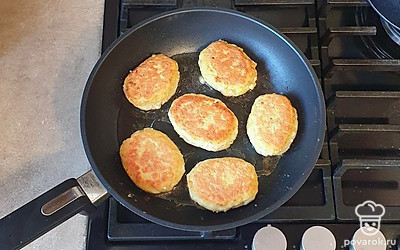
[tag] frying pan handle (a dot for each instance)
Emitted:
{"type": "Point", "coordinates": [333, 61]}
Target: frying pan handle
{"type": "Point", "coordinates": [47, 211]}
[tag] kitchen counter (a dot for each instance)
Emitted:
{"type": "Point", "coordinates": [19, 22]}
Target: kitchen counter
{"type": "Point", "coordinates": [47, 50]}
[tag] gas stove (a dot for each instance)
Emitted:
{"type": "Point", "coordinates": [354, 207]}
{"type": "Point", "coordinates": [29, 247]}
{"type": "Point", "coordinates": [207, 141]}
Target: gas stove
{"type": "Point", "coordinates": [357, 61]}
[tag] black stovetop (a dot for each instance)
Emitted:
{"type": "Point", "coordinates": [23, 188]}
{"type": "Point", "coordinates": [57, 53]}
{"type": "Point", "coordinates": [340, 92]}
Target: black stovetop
{"type": "Point", "coordinates": [360, 160]}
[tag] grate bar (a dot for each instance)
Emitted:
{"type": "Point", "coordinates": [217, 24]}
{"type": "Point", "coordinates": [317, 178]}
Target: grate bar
{"type": "Point", "coordinates": [389, 65]}
{"type": "Point", "coordinates": [323, 10]}
{"type": "Point", "coordinates": [368, 128]}
{"type": "Point", "coordinates": [367, 94]}
{"type": "Point", "coordinates": [347, 31]}
{"type": "Point", "coordinates": [154, 3]}
{"type": "Point", "coordinates": [274, 2]}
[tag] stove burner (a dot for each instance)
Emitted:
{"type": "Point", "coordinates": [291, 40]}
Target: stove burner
{"type": "Point", "coordinates": [386, 43]}
{"type": "Point", "coordinates": [392, 31]}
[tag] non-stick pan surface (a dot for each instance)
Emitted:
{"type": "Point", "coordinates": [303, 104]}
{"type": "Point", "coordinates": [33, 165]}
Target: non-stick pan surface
{"type": "Point", "coordinates": [107, 118]}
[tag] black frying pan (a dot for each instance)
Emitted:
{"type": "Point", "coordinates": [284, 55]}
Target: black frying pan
{"type": "Point", "coordinates": [107, 119]}
{"type": "Point", "coordinates": [389, 10]}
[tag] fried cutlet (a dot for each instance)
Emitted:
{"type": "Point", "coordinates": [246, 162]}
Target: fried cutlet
{"type": "Point", "coordinates": [152, 83]}
{"type": "Point", "coordinates": [152, 161]}
{"type": "Point", "coordinates": [203, 121]}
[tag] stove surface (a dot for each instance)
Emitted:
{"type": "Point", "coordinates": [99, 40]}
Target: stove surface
{"type": "Point", "coordinates": [358, 66]}
{"type": "Point", "coordinates": [133, 232]}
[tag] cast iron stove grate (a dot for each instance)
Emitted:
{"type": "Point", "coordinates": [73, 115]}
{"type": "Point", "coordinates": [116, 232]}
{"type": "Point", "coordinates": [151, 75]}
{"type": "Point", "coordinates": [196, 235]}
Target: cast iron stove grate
{"type": "Point", "coordinates": [363, 110]}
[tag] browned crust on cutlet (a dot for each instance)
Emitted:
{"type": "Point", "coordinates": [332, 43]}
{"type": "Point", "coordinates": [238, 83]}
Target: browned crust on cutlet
{"type": "Point", "coordinates": [220, 184]}
{"type": "Point", "coordinates": [226, 68]}
{"type": "Point", "coordinates": [272, 124]}
{"type": "Point", "coordinates": [152, 161]}
{"type": "Point", "coordinates": [203, 121]}
{"type": "Point", "coordinates": [152, 83]}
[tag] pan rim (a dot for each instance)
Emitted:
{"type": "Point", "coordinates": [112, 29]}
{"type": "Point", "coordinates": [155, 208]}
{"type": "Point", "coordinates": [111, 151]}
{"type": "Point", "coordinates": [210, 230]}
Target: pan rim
{"type": "Point", "coordinates": [381, 14]}
{"type": "Point", "coordinates": [256, 216]}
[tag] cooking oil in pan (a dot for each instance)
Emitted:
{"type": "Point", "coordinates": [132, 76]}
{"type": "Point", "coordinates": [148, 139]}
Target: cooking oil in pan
{"type": "Point", "coordinates": [179, 195]}
{"type": "Point", "coordinates": [131, 119]}
{"type": "Point", "coordinates": [268, 165]}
